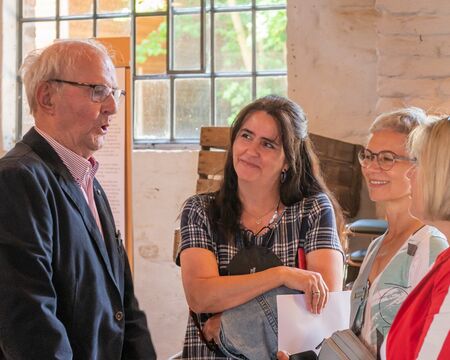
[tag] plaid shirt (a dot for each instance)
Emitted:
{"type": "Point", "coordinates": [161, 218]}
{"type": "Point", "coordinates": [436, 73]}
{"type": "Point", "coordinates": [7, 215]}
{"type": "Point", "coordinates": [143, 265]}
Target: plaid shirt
{"type": "Point", "coordinates": [309, 224]}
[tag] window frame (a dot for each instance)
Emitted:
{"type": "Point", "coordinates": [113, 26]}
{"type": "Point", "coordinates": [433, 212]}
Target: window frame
{"type": "Point", "coordinates": [212, 74]}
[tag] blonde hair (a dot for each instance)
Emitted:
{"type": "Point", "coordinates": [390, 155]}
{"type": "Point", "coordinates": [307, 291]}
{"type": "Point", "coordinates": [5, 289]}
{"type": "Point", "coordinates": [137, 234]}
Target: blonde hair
{"type": "Point", "coordinates": [401, 120]}
{"type": "Point", "coordinates": [429, 144]}
{"type": "Point", "coordinates": [58, 59]}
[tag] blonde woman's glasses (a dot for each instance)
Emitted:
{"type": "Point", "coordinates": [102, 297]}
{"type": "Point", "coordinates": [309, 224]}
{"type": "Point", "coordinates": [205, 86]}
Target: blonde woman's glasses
{"type": "Point", "coordinates": [385, 159]}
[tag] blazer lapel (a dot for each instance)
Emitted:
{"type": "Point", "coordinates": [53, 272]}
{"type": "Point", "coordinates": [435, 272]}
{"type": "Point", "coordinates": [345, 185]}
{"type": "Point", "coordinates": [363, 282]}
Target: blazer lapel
{"type": "Point", "coordinates": [111, 237]}
{"type": "Point", "coordinates": [74, 193]}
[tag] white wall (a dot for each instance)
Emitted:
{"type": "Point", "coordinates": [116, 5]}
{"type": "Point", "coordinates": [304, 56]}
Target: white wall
{"type": "Point", "coordinates": [162, 180]}
{"type": "Point", "coordinates": [332, 65]}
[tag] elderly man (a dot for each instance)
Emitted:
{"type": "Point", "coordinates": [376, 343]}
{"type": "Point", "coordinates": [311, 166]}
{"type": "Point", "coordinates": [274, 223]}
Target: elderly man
{"type": "Point", "coordinates": [65, 283]}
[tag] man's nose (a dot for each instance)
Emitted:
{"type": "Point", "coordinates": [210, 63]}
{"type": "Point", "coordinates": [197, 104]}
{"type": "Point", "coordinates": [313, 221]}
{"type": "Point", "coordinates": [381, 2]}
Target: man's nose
{"type": "Point", "coordinates": [110, 106]}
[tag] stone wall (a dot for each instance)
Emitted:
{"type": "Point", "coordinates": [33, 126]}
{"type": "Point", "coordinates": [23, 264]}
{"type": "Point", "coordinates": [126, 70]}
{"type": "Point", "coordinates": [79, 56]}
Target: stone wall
{"type": "Point", "coordinates": [332, 65]}
{"type": "Point", "coordinates": [413, 47]}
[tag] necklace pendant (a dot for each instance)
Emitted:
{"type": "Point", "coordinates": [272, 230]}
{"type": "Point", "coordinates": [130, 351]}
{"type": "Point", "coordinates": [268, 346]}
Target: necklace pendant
{"type": "Point", "coordinates": [258, 221]}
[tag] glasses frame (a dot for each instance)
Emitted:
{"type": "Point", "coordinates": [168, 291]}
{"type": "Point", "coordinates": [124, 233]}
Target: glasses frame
{"type": "Point", "coordinates": [377, 156]}
{"type": "Point", "coordinates": [116, 92]}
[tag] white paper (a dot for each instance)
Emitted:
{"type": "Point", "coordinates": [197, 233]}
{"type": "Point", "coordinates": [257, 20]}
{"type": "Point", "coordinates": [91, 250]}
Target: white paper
{"type": "Point", "coordinates": [300, 330]}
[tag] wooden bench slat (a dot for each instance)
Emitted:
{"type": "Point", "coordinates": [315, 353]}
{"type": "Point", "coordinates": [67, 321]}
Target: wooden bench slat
{"type": "Point", "coordinates": [211, 162]}
{"type": "Point", "coordinates": [215, 137]}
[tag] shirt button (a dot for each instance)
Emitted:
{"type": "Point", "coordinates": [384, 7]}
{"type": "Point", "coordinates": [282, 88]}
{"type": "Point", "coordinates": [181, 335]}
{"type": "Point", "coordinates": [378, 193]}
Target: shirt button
{"type": "Point", "coordinates": [99, 192]}
{"type": "Point", "coordinates": [119, 315]}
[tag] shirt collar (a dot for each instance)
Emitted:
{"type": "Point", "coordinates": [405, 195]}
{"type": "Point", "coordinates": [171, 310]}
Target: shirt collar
{"type": "Point", "coordinates": [79, 167]}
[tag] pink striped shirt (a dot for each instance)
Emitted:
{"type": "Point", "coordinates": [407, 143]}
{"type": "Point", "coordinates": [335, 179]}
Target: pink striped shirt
{"type": "Point", "coordinates": [82, 170]}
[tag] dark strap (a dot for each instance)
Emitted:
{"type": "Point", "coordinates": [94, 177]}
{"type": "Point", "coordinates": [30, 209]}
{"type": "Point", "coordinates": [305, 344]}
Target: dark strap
{"type": "Point", "coordinates": [363, 291]}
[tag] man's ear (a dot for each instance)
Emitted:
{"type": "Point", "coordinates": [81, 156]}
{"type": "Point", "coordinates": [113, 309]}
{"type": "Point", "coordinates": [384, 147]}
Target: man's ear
{"type": "Point", "coordinates": [45, 96]}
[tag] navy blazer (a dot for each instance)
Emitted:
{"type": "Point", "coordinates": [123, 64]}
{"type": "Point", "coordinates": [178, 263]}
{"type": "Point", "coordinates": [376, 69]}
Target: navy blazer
{"type": "Point", "coordinates": [65, 290]}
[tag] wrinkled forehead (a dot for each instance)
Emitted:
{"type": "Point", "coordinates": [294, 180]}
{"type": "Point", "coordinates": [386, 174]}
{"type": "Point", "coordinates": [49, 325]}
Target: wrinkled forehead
{"type": "Point", "coordinates": [85, 61]}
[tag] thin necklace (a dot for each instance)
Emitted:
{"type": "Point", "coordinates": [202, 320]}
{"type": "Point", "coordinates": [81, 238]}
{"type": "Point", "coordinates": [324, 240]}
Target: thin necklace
{"type": "Point", "coordinates": [258, 220]}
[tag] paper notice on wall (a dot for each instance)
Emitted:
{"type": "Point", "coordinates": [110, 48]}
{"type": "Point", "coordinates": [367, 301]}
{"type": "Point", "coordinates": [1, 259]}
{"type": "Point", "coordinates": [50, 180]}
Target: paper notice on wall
{"type": "Point", "coordinates": [112, 170]}
{"type": "Point", "coordinates": [300, 330]}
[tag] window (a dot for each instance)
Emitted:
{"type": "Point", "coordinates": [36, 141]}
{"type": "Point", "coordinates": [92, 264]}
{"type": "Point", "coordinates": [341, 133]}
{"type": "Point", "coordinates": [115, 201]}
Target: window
{"type": "Point", "coordinates": [240, 43]}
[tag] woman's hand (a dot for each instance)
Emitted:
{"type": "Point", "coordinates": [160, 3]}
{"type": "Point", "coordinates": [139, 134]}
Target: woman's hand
{"type": "Point", "coordinates": [211, 328]}
{"type": "Point", "coordinates": [311, 283]}
{"type": "Point", "coordinates": [282, 355]}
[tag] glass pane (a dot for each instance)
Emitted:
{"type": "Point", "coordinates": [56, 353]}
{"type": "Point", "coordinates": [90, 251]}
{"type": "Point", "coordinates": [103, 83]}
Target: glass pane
{"type": "Point", "coordinates": [271, 40]}
{"type": "Point", "coordinates": [150, 5]}
{"type": "Point", "coordinates": [33, 8]}
{"type": "Point", "coordinates": [270, 2]}
{"type": "Point", "coordinates": [37, 35]}
{"type": "Point", "coordinates": [186, 48]}
{"type": "Point", "coordinates": [79, 7]}
{"type": "Point", "coordinates": [76, 29]}
{"type": "Point", "coordinates": [192, 107]}
{"type": "Point", "coordinates": [113, 27]}
{"type": "Point", "coordinates": [233, 41]}
{"type": "Point", "coordinates": [152, 109]}
{"type": "Point", "coordinates": [179, 4]}
{"type": "Point", "coordinates": [228, 3]}
{"type": "Point", "coordinates": [271, 85]}
{"type": "Point", "coordinates": [151, 45]}
{"type": "Point", "coordinates": [232, 94]}
{"type": "Point", "coordinates": [113, 6]}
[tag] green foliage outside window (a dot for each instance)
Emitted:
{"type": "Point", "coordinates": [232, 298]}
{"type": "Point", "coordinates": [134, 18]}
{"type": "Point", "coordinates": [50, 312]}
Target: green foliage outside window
{"type": "Point", "coordinates": [233, 51]}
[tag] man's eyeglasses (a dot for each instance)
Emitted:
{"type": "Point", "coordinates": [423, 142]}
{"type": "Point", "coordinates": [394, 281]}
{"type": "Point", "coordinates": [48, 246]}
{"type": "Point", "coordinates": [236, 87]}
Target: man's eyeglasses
{"type": "Point", "coordinates": [385, 159]}
{"type": "Point", "coordinates": [99, 92]}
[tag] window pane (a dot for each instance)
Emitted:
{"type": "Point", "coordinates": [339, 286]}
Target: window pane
{"type": "Point", "coordinates": [186, 47]}
{"type": "Point", "coordinates": [113, 6]}
{"type": "Point", "coordinates": [151, 45]}
{"type": "Point", "coordinates": [37, 35]}
{"type": "Point", "coordinates": [179, 4]}
{"type": "Point", "coordinates": [34, 8]}
{"type": "Point", "coordinates": [271, 40]}
{"type": "Point", "coordinates": [233, 41]}
{"type": "Point", "coordinates": [270, 2]}
{"type": "Point", "coordinates": [113, 27]}
{"type": "Point", "coordinates": [152, 109]}
{"type": "Point", "coordinates": [79, 7]}
{"type": "Point", "coordinates": [223, 3]}
{"type": "Point", "coordinates": [232, 94]}
{"type": "Point", "coordinates": [76, 29]}
{"type": "Point", "coordinates": [271, 85]}
{"type": "Point", "coordinates": [192, 109]}
{"type": "Point", "coordinates": [150, 5]}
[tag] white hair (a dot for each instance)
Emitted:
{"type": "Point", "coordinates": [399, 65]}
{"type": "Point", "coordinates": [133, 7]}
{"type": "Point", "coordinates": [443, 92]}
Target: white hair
{"type": "Point", "coordinates": [56, 60]}
{"type": "Point", "coordinates": [401, 120]}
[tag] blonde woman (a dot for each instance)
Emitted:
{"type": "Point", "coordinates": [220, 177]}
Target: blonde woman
{"type": "Point", "coordinates": [398, 259]}
{"type": "Point", "coordinates": [421, 327]}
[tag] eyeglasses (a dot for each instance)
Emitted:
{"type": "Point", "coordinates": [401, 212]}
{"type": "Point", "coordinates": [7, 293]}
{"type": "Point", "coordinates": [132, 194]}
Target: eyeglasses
{"type": "Point", "coordinates": [385, 159]}
{"type": "Point", "coordinates": [99, 92]}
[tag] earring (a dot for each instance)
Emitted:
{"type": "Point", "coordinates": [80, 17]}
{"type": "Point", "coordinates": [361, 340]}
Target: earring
{"type": "Point", "coordinates": [283, 176]}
